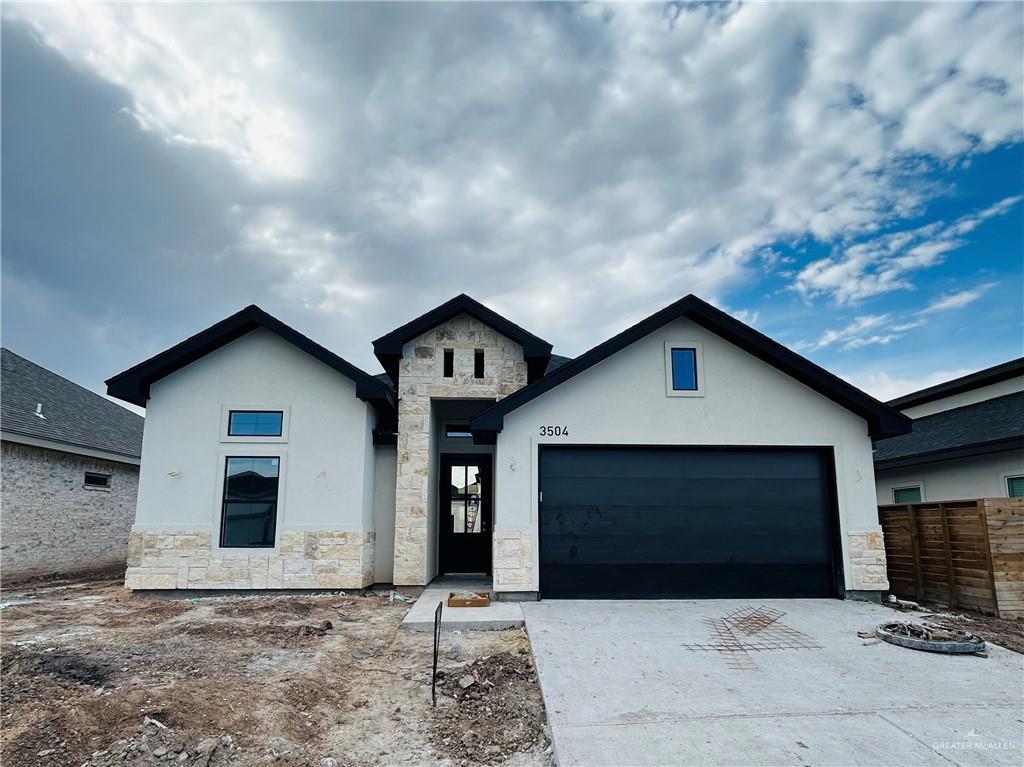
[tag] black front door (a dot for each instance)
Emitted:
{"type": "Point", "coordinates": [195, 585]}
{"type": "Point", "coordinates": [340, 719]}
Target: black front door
{"type": "Point", "coordinates": [464, 507]}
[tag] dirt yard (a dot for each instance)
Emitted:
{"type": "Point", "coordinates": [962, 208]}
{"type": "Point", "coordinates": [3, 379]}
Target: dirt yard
{"type": "Point", "coordinates": [93, 675]}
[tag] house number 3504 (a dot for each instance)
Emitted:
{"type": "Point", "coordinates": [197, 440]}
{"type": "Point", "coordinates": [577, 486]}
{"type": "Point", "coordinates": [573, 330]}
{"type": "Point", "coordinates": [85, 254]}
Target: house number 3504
{"type": "Point", "coordinates": [554, 431]}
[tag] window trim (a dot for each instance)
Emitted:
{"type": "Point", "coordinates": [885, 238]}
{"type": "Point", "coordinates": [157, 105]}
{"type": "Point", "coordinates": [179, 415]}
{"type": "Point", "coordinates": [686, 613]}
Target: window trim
{"type": "Point", "coordinates": [251, 451]}
{"type": "Point", "coordinates": [698, 348]}
{"type": "Point", "coordinates": [1006, 483]}
{"type": "Point", "coordinates": [225, 422]}
{"type": "Point", "coordinates": [908, 486]}
{"type": "Point", "coordinates": [101, 488]}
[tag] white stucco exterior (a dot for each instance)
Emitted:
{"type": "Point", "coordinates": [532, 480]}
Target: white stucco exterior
{"type": "Point", "coordinates": [982, 476]}
{"type": "Point", "coordinates": [982, 393]}
{"type": "Point", "coordinates": [327, 464]}
{"type": "Point", "coordinates": [623, 401]}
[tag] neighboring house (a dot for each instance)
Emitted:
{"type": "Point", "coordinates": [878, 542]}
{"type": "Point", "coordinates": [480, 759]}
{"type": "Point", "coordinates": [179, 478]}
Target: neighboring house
{"type": "Point", "coordinates": [967, 441]}
{"type": "Point", "coordinates": [689, 456]}
{"type": "Point", "coordinates": [70, 473]}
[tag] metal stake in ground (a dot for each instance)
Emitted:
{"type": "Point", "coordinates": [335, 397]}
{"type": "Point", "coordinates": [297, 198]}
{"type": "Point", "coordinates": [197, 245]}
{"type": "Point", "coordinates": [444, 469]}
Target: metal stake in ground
{"type": "Point", "coordinates": [437, 642]}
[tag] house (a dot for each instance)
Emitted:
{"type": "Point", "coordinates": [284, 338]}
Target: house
{"type": "Point", "coordinates": [70, 473]}
{"type": "Point", "coordinates": [688, 456]}
{"type": "Point", "coordinates": [967, 441]}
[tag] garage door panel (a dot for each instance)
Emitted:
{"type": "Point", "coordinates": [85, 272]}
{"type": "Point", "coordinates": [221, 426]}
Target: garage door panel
{"type": "Point", "coordinates": [671, 491]}
{"type": "Point", "coordinates": [669, 581]}
{"type": "Point", "coordinates": [619, 522]}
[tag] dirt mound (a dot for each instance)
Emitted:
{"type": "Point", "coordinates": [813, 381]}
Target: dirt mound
{"type": "Point", "coordinates": [489, 710]}
{"type": "Point", "coordinates": [156, 744]}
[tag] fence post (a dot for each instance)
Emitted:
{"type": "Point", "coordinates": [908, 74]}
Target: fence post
{"type": "Point", "coordinates": [915, 551]}
{"type": "Point", "coordinates": [950, 580]}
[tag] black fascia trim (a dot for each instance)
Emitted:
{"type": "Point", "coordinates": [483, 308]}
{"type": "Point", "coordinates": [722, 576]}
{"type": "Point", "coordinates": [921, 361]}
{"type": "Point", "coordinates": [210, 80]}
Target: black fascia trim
{"type": "Point", "coordinates": [986, 377]}
{"type": "Point", "coordinates": [952, 453]}
{"type": "Point", "coordinates": [388, 348]}
{"type": "Point", "coordinates": [133, 384]}
{"type": "Point", "coordinates": [882, 420]}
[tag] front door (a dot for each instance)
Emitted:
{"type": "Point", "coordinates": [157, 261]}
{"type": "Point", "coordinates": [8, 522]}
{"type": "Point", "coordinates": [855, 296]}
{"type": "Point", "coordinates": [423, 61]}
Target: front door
{"type": "Point", "coordinates": [464, 506]}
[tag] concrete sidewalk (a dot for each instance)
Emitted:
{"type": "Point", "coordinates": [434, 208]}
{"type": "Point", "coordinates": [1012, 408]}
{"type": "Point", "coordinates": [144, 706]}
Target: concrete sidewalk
{"type": "Point", "coordinates": [683, 683]}
{"type": "Point", "coordinates": [496, 616]}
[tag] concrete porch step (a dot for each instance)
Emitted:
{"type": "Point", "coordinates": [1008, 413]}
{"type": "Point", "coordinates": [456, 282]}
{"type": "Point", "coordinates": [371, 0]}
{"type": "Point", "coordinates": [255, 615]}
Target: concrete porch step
{"type": "Point", "coordinates": [494, 617]}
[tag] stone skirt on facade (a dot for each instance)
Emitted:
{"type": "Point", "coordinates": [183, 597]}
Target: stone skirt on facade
{"type": "Point", "coordinates": [867, 561]}
{"type": "Point", "coordinates": [317, 559]}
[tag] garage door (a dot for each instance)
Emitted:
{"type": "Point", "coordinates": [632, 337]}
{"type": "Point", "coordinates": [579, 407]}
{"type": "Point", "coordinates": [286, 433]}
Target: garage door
{"type": "Point", "coordinates": [685, 522]}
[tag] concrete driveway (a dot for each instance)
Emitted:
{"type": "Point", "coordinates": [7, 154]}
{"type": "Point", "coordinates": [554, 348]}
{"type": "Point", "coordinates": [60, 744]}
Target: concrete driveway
{"type": "Point", "coordinates": [777, 682]}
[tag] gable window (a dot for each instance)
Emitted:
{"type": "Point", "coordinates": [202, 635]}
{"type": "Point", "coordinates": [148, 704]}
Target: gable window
{"type": "Point", "coordinates": [95, 480]}
{"type": "Point", "coordinates": [449, 363]}
{"type": "Point", "coordinates": [1015, 486]}
{"type": "Point", "coordinates": [255, 423]}
{"type": "Point", "coordinates": [249, 513]}
{"type": "Point", "coordinates": [909, 494]}
{"type": "Point", "coordinates": [457, 431]}
{"type": "Point", "coordinates": [478, 363]}
{"type": "Point", "coordinates": [684, 374]}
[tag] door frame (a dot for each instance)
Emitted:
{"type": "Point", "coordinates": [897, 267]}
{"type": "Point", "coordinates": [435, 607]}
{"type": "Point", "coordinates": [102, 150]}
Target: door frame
{"type": "Point", "coordinates": [486, 463]}
{"type": "Point", "coordinates": [827, 454]}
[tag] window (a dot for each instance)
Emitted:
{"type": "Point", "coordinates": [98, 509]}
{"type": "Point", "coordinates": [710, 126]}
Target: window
{"type": "Point", "coordinates": [255, 423]}
{"type": "Point", "coordinates": [96, 481]}
{"type": "Point", "coordinates": [458, 431]}
{"type": "Point", "coordinates": [684, 375]}
{"type": "Point", "coordinates": [478, 363]}
{"type": "Point", "coordinates": [1015, 486]}
{"type": "Point", "coordinates": [249, 514]}
{"type": "Point", "coordinates": [449, 363]}
{"type": "Point", "coordinates": [910, 494]}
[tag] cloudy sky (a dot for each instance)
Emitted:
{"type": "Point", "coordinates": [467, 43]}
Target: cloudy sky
{"type": "Point", "coordinates": [846, 178]}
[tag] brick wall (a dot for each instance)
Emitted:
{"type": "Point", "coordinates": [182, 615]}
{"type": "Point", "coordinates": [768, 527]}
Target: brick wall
{"type": "Point", "coordinates": [50, 523]}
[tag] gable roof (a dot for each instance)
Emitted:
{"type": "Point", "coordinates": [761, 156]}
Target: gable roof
{"type": "Point", "coordinates": [72, 415]}
{"type": "Point", "coordinates": [882, 420]}
{"type": "Point", "coordinates": [133, 384]}
{"type": "Point", "coordinates": [969, 382]}
{"type": "Point", "coordinates": [984, 427]}
{"type": "Point", "coordinates": [388, 348]}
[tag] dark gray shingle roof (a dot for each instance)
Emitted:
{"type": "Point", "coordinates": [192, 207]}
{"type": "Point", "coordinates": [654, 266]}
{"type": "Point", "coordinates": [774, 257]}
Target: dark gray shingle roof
{"type": "Point", "coordinates": [75, 416]}
{"type": "Point", "coordinates": [1001, 418]}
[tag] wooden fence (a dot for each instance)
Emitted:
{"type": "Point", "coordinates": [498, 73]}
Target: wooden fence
{"type": "Point", "coordinates": [965, 554]}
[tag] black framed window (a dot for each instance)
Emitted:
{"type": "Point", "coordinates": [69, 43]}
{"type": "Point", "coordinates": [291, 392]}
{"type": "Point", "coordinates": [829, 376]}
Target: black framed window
{"type": "Point", "coordinates": [249, 514]}
{"type": "Point", "coordinates": [449, 363]}
{"type": "Point", "coordinates": [96, 480]}
{"type": "Point", "coordinates": [255, 423]}
{"type": "Point", "coordinates": [457, 431]}
{"type": "Point", "coordinates": [910, 494]}
{"type": "Point", "coordinates": [684, 369]}
{"type": "Point", "coordinates": [478, 363]}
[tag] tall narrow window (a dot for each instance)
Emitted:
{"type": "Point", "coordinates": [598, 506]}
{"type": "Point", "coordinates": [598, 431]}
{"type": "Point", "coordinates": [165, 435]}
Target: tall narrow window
{"type": "Point", "coordinates": [478, 363]}
{"type": "Point", "coordinates": [684, 369]}
{"type": "Point", "coordinates": [250, 502]}
{"type": "Point", "coordinates": [449, 363]}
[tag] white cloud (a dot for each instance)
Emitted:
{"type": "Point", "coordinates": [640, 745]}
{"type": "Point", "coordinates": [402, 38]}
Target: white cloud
{"type": "Point", "coordinates": [221, 79]}
{"type": "Point", "coordinates": [957, 300]}
{"type": "Point", "coordinates": [853, 335]}
{"type": "Point", "coordinates": [885, 263]}
{"type": "Point", "coordinates": [563, 163]}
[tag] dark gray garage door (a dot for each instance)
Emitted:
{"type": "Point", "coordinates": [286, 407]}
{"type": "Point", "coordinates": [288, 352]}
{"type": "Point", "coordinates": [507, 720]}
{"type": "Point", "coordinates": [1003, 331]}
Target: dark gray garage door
{"type": "Point", "coordinates": [686, 522]}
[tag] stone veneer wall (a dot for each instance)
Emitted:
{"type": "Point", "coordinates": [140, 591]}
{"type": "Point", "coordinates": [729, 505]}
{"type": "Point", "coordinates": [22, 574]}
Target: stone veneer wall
{"type": "Point", "coordinates": [513, 562]}
{"type": "Point", "coordinates": [867, 561]}
{"type": "Point", "coordinates": [320, 559]}
{"type": "Point", "coordinates": [421, 377]}
{"type": "Point", "coordinates": [52, 522]}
